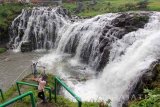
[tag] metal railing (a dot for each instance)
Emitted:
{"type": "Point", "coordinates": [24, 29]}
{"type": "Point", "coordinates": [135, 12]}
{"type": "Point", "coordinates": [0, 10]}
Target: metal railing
{"type": "Point", "coordinates": [68, 89]}
{"type": "Point", "coordinates": [33, 85]}
{"type": "Point", "coordinates": [30, 93]}
{"type": "Point", "coordinates": [2, 94]}
{"type": "Point", "coordinates": [23, 74]}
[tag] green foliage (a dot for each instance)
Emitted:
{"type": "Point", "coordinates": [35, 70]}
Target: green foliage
{"type": "Point", "coordinates": [2, 50]}
{"type": "Point", "coordinates": [143, 4]}
{"type": "Point", "coordinates": [152, 99]}
{"type": "Point", "coordinates": [7, 14]}
{"type": "Point", "coordinates": [105, 6]}
{"type": "Point", "coordinates": [152, 96]}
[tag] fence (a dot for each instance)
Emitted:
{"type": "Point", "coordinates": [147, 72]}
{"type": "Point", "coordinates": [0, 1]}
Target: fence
{"type": "Point", "coordinates": [33, 85]}
{"type": "Point", "coordinates": [68, 89]}
{"type": "Point", "coordinates": [30, 93]}
{"type": "Point", "coordinates": [2, 94]}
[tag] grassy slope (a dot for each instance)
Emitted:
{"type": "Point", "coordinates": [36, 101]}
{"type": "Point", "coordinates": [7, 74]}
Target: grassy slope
{"type": "Point", "coordinates": [104, 6]}
{"type": "Point", "coordinates": [61, 101]}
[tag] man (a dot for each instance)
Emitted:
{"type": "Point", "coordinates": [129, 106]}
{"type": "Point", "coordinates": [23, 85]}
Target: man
{"type": "Point", "coordinates": [41, 86]}
{"type": "Point", "coordinates": [34, 65]}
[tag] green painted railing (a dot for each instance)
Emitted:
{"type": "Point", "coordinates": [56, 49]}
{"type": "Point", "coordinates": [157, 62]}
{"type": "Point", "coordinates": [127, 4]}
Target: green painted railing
{"type": "Point", "coordinates": [68, 89]}
{"type": "Point", "coordinates": [1, 94]}
{"type": "Point", "coordinates": [33, 85]}
{"type": "Point", "coordinates": [30, 93]}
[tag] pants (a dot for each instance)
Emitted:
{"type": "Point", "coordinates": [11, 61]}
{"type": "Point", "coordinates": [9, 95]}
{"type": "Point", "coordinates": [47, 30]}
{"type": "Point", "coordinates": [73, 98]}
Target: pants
{"type": "Point", "coordinates": [41, 95]}
{"type": "Point", "coordinates": [35, 73]}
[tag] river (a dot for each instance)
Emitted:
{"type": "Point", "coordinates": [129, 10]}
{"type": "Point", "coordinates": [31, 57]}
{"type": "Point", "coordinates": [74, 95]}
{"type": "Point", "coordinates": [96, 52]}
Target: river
{"type": "Point", "coordinates": [15, 66]}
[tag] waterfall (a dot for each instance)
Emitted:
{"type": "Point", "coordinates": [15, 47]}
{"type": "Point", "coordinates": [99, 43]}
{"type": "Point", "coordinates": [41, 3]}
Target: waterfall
{"type": "Point", "coordinates": [38, 26]}
{"type": "Point", "coordinates": [140, 49]}
{"type": "Point", "coordinates": [52, 28]}
{"type": "Point", "coordinates": [109, 53]}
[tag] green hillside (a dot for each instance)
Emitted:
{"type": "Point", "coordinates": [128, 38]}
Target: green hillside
{"type": "Point", "coordinates": [105, 6]}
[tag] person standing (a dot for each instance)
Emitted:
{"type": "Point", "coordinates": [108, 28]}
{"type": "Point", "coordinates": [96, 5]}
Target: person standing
{"type": "Point", "coordinates": [41, 88]}
{"type": "Point", "coordinates": [35, 72]}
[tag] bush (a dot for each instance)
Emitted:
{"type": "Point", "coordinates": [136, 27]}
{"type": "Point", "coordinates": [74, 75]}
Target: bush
{"type": "Point", "coordinates": [152, 99]}
{"type": "Point", "coordinates": [130, 6]}
{"type": "Point", "coordinates": [142, 4]}
{"type": "Point", "coordinates": [2, 50]}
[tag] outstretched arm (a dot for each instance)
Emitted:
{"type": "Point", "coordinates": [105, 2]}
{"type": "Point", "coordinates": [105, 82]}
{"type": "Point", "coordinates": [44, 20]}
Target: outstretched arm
{"type": "Point", "coordinates": [35, 79]}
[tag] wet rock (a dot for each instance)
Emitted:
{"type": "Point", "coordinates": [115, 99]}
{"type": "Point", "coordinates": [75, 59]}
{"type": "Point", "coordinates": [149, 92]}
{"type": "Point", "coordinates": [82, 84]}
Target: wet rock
{"type": "Point", "coordinates": [131, 21]}
{"type": "Point", "coordinates": [38, 30]}
{"type": "Point", "coordinates": [146, 81]}
{"type": "Point", "coordinates": [26, 47]}
{"type": "Point", "coordinates": [125, 23]}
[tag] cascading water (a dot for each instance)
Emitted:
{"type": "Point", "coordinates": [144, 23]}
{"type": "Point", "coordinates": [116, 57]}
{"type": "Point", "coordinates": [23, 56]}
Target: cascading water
{"type": "Point", "coordinates": [141, 49]}
{"type": "Point", "coordinates": [38, 26]}
{"type": "Point", "coordinates": [80, 49]}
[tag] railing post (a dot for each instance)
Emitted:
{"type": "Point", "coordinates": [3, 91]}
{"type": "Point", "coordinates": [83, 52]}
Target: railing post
{"type": "Point", "coordinates": [57, 80]}
{"type": "Point", "coordinates": [32, 100]}
{"type": "Point", "coordinates": [50, 95]}
{"type": "Point", "coordinates": [18, 89]}
{"type": "Point", "coordinates": [2, 94]}
{"type": "Point", "coordinates": [55, 91]}
{"type": "Point", "coordinates": [30, 93]}
{"type": "Point", "coordinates": [79, 104]}
{"type": "Point", "coordinates": [33, 85]}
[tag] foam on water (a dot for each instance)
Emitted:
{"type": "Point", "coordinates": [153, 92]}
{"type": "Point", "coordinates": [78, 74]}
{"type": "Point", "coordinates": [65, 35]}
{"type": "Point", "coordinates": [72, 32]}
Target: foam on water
{"type": "Point", "coordinates": [140, 48]}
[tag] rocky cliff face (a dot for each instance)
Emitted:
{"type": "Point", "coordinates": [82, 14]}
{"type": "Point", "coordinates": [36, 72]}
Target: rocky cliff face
{"type": "Point", "coordinates": [149, 80]}
{"type": "Point", "coordinates": [125, 23]}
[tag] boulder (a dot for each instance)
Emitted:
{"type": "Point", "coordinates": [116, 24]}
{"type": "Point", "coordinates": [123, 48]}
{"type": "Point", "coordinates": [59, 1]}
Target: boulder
{"type": "Point", "coordinates": [26, 47]}
{"type": "Point", "coordinates": [123, 24]}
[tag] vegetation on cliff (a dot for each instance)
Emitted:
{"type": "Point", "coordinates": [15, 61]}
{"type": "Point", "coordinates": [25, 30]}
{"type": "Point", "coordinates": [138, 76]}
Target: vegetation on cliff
{"type": "Point", "coordinates": [151, 95]}
{"type": "Point", "coordinates": [7, 14]}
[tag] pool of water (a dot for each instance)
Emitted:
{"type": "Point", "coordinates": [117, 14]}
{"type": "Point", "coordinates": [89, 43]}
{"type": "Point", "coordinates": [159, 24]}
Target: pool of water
{"type": "Point", "coordinates": [14, 66]}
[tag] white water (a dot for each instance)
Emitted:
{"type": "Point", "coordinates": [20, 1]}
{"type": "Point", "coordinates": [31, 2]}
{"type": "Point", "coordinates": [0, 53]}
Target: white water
{"type": "Point", "coordinates": [39, 24]}
{"type": "Point", "coordinates": [128, 59]}
{"type": "Point", "coordinates": [140, 49]}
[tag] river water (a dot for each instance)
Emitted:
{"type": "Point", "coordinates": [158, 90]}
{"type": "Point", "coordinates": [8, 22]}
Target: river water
{"type": "Point", "coordinates": [15, 66]}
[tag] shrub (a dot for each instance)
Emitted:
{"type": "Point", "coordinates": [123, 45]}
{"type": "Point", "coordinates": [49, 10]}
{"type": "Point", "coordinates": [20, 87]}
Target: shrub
{"type": "Point", "coordinates": [142, 4]}
{"type": "Point", "coordinates": [152, 99]}
{"type": "Point", "coordinates": [2, 50]}
{"type": "Point", "coordinates": [130, 6]}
